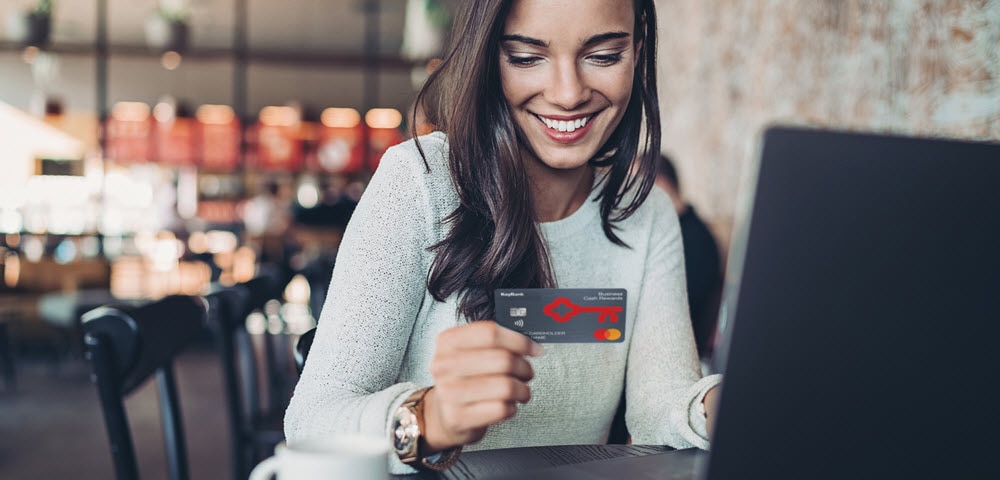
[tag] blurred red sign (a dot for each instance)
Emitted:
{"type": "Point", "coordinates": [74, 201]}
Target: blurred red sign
{"type": "Point", "coordinates": [279, 148]}
{"type": "Point", "coordinates": [175, 142]}
{"type": "Point", "coordinates": [219, 146]}
{"type": "Point", "coordinates": [218, 211]}
{"type": "Point", "coordinates": [379, 140]}
{"type": "Point", "coordinates": [127, 140]}
{"type": "Point", "coordinates": [340, 150]}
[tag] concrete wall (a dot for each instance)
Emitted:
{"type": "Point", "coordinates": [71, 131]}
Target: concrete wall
{"type": "Point", "coordinates": [729, 67]}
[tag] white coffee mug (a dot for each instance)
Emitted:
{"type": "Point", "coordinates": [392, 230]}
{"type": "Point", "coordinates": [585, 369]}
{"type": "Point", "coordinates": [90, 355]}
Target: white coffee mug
{"type": "Point", "coordinates": [338, 456]}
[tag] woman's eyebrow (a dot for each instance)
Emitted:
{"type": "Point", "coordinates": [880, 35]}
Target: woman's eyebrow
{"type": "Point", "coordinates": [521, 38]}
{"type": "Point", "coordinates": [594, 40]}
{"type": "Point", "coordinates": [603, 37]}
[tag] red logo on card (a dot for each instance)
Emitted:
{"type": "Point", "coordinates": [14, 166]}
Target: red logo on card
{"type": "Point", "coordinates": [561, 310]}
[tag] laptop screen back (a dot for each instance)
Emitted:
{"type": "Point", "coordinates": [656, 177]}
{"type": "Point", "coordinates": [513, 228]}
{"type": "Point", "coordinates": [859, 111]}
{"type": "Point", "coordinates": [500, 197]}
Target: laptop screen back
{"type": "Point", "coordinates": [862, 333]}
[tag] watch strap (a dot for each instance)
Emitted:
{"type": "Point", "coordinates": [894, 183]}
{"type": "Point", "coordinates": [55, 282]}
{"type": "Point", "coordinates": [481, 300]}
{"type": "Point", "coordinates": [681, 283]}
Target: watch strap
{"type": "Point", "coordinates": [414, 401]}
{"type": "Point", "coordinates": [445, 459]}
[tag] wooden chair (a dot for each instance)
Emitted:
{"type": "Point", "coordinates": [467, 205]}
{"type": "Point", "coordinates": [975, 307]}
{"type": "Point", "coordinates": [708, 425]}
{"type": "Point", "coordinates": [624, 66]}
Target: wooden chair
{"type": "Point", "coordinates": [254, 430]}
{"type": "Point", "coordinates": [128, 345]}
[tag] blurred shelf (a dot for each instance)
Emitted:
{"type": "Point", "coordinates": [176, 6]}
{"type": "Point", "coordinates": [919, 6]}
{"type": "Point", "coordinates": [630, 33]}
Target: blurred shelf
{"type": "Point", "coordinates": [330, 60]}
{"type": "Point", "coordinates": [67, 48]}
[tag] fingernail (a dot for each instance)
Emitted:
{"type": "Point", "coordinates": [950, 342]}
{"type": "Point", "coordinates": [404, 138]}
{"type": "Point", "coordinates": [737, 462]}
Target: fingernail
{"type": "Point", "coordinates": [536, 349]}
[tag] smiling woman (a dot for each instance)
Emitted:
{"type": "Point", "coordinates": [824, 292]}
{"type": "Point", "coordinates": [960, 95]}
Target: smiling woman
{"type": "Point", "coordinates": [540, 176]}
{"type": "Point", "coordinates": [508, 84]}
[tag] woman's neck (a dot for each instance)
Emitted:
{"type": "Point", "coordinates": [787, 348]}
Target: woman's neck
{"type": "Point", "coordinates": [556, 193]}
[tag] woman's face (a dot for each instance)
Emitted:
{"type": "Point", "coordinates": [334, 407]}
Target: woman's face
{"type": "Point", "coordinates": [566, 71]}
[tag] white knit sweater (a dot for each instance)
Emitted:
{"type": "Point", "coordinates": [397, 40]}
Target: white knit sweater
{"type": "Point", "coordinates": [377, 333]}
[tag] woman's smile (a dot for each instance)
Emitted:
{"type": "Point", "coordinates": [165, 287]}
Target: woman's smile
{"type": "Point", "coordinates": [566, 128]}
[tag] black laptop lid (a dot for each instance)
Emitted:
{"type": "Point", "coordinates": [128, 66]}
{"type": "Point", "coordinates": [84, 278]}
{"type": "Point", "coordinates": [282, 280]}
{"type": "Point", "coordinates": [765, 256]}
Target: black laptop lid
{"type": "Point", "coordinates": [862, 335]}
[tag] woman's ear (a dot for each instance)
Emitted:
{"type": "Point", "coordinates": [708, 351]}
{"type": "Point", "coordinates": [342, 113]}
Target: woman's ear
{"type": "Point", "coordinates": [638, 52]}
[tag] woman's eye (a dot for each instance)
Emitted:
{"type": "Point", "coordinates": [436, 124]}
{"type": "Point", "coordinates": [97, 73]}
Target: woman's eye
{"type": "Point", "coordinates": [606, 60]}
{"type": "Point", "coordinates": [521, 61]}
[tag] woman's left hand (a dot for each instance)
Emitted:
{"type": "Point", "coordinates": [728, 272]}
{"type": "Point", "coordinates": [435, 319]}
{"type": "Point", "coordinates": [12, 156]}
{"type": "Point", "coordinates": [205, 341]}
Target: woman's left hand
{"type": "Point", "coordinates": [711, 402]}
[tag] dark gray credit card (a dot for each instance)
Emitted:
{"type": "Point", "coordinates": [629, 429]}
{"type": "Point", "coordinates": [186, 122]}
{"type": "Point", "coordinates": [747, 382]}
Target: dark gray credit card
{"type": "Point", "coordinates": [563, 315]}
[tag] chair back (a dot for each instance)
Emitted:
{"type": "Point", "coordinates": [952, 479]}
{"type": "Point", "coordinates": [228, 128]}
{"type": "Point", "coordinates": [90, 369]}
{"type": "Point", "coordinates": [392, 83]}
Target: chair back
{"type": "Point", "coordinates": [227, 309]}
{"type": "Point", "coordinates": [252, 432]}
{"type": "Point", "coordinates": [268, 285]}
{"type": "Point", "coordinates": [302, 346]}
{"type": "Point", "coordinates": [128, 345]}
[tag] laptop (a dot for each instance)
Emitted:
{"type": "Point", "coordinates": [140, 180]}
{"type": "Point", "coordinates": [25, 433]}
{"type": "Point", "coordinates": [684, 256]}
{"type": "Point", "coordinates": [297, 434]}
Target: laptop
{"type": "Point", "coordinates": [861, 318]}
{"type": "Point", "coordinates": [861, 325]}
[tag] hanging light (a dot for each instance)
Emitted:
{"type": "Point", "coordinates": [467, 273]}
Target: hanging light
{"type": "Point", "coordinates": [279, 116]}
{"type": "Point", "coordinates": [383, 118]}
{"type": "Point", "coordinates": [340, 117]}
{"type": "Point", "coordinates": [130, 111]}
{"type": "Point", "coordinates": [215, 114]}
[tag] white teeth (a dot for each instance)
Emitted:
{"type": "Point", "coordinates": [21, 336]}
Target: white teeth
{"type": "Point", "coordinates": [563, 125]}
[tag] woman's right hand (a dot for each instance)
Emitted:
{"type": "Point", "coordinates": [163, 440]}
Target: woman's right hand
{"type": "Point", "coordinates": [480, 375]}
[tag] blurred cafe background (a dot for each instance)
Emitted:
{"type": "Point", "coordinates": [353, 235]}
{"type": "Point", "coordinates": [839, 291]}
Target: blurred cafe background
{"type": "Point", "coordinates": [159, 147]}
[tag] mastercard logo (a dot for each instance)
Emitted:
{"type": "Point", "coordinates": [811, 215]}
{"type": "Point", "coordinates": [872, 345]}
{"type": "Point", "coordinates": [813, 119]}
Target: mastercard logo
{"type": "Point", "coordinates": [607, 334]}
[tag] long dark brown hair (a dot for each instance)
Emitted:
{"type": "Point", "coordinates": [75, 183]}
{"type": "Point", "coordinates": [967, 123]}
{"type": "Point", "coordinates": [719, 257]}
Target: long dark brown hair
{"type": "Point", "coordinates": [493, 240]}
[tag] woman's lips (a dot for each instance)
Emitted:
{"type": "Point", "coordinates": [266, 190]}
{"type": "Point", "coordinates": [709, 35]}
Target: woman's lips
{"type": "Point", "coordinates": [565, 129]}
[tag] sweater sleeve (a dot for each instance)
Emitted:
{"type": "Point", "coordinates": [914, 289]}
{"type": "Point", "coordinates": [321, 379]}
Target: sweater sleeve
{"type": "Point", "coordinates": [350, 382]}
{"type": "Point", "coordinates": [663, 376]}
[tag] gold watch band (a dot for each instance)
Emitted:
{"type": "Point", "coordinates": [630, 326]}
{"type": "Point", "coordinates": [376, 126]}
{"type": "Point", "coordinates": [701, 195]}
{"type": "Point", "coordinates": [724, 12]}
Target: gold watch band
{"type": "Point", "coordinates": [446, 458]}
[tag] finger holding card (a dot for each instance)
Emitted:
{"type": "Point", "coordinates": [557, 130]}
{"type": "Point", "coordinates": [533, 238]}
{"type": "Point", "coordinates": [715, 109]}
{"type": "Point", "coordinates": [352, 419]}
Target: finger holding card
{"type": "Point", "coordinates": [480, 375]}
{"type": "Point", "coordinates": [484, 334]}
{"type": "Point", "coordinates": [477, 362]}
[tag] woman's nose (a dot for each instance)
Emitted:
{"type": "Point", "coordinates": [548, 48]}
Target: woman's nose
{"type": "Point", "coordinates": [568, 88]}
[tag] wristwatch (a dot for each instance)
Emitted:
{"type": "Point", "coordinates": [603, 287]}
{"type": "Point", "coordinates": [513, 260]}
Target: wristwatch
{"type": "Point", "coordinates": [407, 428]}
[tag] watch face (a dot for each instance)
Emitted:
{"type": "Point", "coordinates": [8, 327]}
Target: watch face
{"type": "Point", "coordinates": [406, 432]}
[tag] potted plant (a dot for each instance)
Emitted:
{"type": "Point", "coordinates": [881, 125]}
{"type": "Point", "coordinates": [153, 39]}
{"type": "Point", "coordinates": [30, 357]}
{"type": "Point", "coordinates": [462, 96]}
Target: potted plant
{"type": "Point", "coordinates": [32, 27]}
{"type": "Point", "coordinates": [167, 27]}
{"type": "Point", "coordinates": [424, 29]}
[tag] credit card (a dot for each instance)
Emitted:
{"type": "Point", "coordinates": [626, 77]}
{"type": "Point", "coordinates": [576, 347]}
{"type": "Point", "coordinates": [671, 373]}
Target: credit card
{"type": "Point", "coordinates": [563, 315]}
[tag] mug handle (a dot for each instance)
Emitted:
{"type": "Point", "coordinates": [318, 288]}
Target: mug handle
{"type": "Point", "coordinates": [265, 469]}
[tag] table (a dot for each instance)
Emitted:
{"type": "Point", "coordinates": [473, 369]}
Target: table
{"type": "Point", "coordinates": [577, 462]}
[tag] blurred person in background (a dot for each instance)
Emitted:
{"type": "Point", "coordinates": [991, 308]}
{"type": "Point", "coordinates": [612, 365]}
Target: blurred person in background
{"type": "Point", "coordinates": [267, 216]}
{"type": "Point", "coordinates": [529, 182]}
{"type": "Point", "coordinates": [701, 260]}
